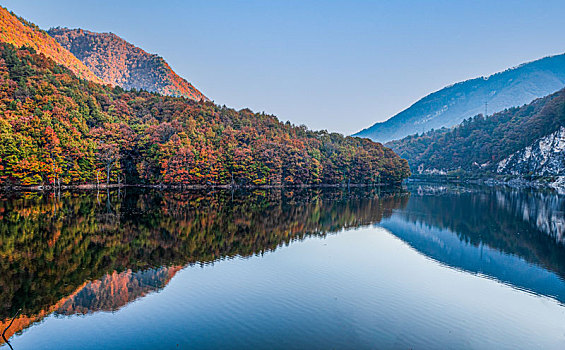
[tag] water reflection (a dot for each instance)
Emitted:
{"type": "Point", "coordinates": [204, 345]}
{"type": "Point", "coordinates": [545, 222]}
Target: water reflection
{"type": "Point", "coordinates": [77, 253]}
{"type": "Point", "coordinates": [115, 290]}
{"type": "Point", "coordinates": [514, 236]}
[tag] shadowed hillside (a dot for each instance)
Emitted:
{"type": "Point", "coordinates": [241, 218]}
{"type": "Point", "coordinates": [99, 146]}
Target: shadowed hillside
{"type": "Point", "coordinates": [118, 62]}
{"type": "Point", "coordinates": [482, 144]}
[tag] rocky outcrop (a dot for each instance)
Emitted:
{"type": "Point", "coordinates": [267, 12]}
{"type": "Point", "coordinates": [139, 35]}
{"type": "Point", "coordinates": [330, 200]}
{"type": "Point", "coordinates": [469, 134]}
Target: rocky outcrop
{"type": "Point", "coordinates": [423, 171]}
{"type": "Point", "coordinates": [545, 157]}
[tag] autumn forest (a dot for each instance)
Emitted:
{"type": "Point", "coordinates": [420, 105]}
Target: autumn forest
{"type": "Point", "coordinates": [60, 130]}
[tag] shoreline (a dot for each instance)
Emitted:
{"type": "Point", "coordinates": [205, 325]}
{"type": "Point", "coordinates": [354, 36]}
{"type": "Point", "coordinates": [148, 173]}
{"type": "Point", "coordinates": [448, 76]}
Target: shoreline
{"type": "Point", "coordinates": [556, 183]}
{"type": "Point", "coordinates": [90, 187]}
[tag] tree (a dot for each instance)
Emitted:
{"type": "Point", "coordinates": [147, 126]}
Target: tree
{"type": "Point", "coordinates": [114, 141]}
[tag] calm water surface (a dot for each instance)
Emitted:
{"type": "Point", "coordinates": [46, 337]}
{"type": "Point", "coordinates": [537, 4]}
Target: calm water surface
{"type": "Point", "coordinates": [427, 267]}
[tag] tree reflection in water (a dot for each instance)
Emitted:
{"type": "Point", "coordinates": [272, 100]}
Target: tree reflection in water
{"type": "Point", "coordinates": [75, 253]}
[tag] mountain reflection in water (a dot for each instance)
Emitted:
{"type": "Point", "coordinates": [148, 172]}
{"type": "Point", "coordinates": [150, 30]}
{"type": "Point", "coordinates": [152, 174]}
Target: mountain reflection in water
{"type": "Point", "coordinates": [77, 253]}
{"type": "Point", "coordinates": [514, 236]}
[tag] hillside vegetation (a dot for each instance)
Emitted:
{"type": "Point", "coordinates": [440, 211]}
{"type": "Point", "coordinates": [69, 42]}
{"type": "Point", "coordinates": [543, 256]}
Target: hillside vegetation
{"type": "Point", "coordinates": [118, 62]}
{"type": "Point", "coordinates": [479, 143]}
{"type": "Point", "coordinates": [19, 32]}
{"type": "Point", "coordinates": [58, 129]}
{"type": "Point", "coordinates": [453, 104]}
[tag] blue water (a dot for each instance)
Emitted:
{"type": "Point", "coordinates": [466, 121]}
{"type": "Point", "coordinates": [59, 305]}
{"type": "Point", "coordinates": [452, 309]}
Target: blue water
{"type": "Point", "coordinates": [405, 279]}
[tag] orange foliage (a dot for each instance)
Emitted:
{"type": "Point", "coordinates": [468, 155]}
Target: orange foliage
{"type": "Point", "coordinates": [118, 62]}
{"type": "Point", "coordinates": [15, 32]}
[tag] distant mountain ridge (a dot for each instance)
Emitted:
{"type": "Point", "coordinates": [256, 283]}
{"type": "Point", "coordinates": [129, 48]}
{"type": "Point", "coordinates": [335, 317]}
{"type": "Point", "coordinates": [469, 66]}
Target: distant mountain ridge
{"type": "Point", "coordinates": [118, 62]}
{"type": "Point", "coordinates": [19, 32]}
{"type": "Point", "coordinates": [453, 104]}
{"type": "Point", "coordinates": [525, 141]}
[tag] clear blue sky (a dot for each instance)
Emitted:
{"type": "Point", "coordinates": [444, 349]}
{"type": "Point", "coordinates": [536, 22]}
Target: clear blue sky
{"type": "Point", "coordinates": [335, 65]}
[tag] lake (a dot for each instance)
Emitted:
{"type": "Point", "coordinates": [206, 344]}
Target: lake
{"type": "Point", "coordinates": [428, 266]}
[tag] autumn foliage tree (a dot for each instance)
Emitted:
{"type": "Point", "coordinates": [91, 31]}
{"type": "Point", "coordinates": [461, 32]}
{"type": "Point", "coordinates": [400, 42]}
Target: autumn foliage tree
{"type": "Point", "coordinates": [478, 144]}
{"type": "Point", "coordinates": [55, 127]}
{"type": "Point", "coordinates": [114, 142]}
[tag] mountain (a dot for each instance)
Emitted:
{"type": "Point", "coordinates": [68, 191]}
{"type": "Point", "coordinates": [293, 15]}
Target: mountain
{"type": "Point", "coordinates": [19, 32]}
{"type": "Point", "coordinates": [453, 104]}
{"type": "Point", "coordinates": [98, 57]}
{"type": "Point", "coordinates": [118, 62]}
{"type": "Point", "coordinates": [520, 141]}
{"type": "Point", "coordinates": [58, 129]}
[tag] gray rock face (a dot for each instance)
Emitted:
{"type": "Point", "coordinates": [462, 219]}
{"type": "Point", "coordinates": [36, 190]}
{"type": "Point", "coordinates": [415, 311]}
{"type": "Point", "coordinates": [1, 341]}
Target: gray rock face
{"type": "Point", "coordinates": [545, 157]}
{"type": "Point", "coordinates": [452, 104]}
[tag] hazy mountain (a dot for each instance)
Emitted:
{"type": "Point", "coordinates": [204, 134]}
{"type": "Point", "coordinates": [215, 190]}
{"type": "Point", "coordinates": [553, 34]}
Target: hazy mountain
{"type": "Point", "coordinates": [118, 62]}
{"type": "Point", "coordinates": [451, 105]}
{"type": "Point", "coordinates": [521, 141]}
{"type": "Point", "coordinates": [19, 32]}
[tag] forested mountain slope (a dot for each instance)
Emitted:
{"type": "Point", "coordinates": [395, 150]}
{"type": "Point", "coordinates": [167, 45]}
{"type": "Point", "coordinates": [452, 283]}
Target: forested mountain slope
{"type": "Point", "coordinates": [479, 144]}
{"type": "Point", "coordinates": [19, 32]}
{"type": "Point", "coordinates": [453, 104]}
{"type": "Point", "coordinates": [56, 128]}
{"type": "Point", "coordinates": [118, 62]}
